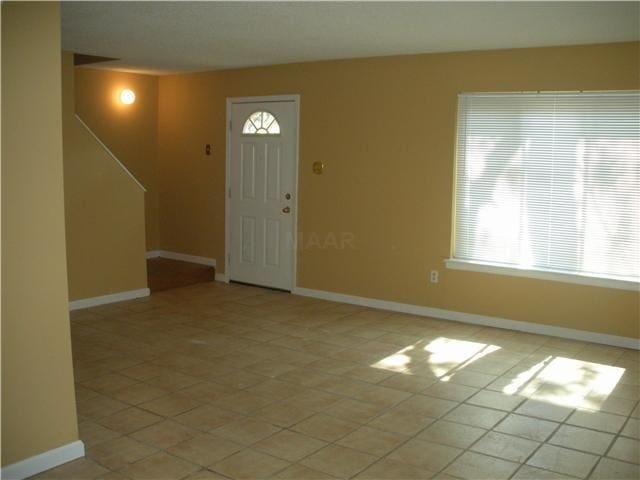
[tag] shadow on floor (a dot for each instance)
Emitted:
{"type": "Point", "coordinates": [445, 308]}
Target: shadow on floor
{"type": "Point", "coordinates": [163, 274]}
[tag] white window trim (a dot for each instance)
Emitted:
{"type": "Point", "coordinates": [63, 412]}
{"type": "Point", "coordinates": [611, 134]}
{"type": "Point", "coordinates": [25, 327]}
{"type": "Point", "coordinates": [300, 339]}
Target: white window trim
{"type": "Point", "coordinates": [598, 280]}
{"type": "Point", "coordinates": [556, 276]}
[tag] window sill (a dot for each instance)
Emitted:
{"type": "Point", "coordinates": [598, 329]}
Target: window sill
{"type": "Point", "coordinates": [472, 266]}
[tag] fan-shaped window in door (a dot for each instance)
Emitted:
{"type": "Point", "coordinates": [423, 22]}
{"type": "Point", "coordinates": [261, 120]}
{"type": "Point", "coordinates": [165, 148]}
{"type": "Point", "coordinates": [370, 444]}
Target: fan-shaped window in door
{"type": "Point", "coordinates": [261, 123]}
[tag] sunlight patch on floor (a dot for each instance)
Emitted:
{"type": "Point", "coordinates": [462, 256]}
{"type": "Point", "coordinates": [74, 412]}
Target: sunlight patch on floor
{"type": "Point", "coordinates": [557, 380]}
{"type": "Point", "coordinates": [525, 377]}
{"type": "Point", "coordinates": [399, 362]}
{"type": "Point", "coordinates": [572, 383]}
{"type": "Point", "coordinates": [485, 351]}
{"type": "Point", "coordinates": [447, 354]}
{"type": "Point", "coordinates": [443, 355]}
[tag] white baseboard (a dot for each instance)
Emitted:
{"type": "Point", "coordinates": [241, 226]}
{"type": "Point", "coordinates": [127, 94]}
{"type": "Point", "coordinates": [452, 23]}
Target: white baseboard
{"type": "Point", "coordinates": [104, 299]}
{"type": "Point", "coordinates": [182, 257]}
{"type": "Point", "coordinates": [43, 461]}
{"type": "Point", "coordinates": [529, 327]}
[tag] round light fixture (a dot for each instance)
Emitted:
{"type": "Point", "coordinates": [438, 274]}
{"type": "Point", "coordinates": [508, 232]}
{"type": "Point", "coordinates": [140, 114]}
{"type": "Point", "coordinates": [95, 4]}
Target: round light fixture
{"type": "Point", "coordinates": [127, 96]}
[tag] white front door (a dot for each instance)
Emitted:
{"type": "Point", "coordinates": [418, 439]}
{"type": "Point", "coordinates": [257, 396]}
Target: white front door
{"type": "Point", "coordinates": [262, 181]}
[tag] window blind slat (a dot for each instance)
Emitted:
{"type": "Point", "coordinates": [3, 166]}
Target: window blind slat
{"type": "Point", "coordinates": [550, 181]}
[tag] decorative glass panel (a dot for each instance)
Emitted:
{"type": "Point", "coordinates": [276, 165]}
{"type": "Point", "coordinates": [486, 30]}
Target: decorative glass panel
{"type": "Point", "coordinates": [261, 123]}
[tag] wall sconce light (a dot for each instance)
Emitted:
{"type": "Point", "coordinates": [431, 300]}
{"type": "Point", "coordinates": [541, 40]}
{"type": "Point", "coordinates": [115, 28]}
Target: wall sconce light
{"type": "Point", "coordinates": [127, 96]}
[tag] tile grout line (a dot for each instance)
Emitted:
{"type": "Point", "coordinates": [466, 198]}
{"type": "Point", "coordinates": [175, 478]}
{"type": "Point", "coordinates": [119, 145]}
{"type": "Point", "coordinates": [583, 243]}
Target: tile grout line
{"type": "Point", "coordinates": [543, 443]}
{"type": "Point", "coordinates": [392, 405]}
{"type": "Point", "coordinates": [415, 435]}
{"type": "Point", "coordinates": [613, 441]}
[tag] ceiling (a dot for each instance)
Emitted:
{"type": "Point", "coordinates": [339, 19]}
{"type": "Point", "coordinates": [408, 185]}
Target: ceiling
{"type": "Point", "coordinates": [168, 37]}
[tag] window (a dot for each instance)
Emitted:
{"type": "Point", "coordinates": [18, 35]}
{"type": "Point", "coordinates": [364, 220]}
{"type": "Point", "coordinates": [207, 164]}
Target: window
{"type": "Point", "coordinates": [261, 123]}
{"type": "Point", "coordinates": [550, 182]}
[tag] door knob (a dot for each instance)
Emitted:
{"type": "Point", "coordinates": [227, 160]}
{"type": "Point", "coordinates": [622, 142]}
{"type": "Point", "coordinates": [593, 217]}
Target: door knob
{"type": "Point", "coordinates": [286, 210]}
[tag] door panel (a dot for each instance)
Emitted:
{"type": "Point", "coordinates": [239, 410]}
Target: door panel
{"type": "Point", "coordinates": [262, 203]}
{"type": "Point", "coordinates": [272, 173]}
{"type": "Point", "coordinates": [248, 240]}
{"type": "Point", "coordinates": [272, 243]}
{"type": "Point", "coordinates": [248, 171]}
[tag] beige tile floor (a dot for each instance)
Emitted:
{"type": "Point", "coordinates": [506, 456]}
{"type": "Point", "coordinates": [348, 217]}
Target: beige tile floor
{"type": "Point", "coordinates": [229, 381]}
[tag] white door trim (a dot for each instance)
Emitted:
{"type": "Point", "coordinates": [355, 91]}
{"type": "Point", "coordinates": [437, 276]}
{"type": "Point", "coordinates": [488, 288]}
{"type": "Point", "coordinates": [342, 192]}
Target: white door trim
{"type": "Point", "coordinates": [228, 274]}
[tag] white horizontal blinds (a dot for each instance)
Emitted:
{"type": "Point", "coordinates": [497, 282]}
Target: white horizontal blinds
{"type": "Point", "coordinates": [550, 181]}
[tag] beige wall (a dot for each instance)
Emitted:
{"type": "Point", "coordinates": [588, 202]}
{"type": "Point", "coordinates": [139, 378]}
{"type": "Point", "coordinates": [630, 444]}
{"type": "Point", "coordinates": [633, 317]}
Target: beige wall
{"type": "Point", "coordinates": [385, 129]}
{"type": "Point", "coordinates": [191, 185]}
{"type": "Point", "coordinates": [104, 207]}
{"type": "Point", "coordinates": [130, 131]}
{"type": "Point", "coordinates": [38, 404]}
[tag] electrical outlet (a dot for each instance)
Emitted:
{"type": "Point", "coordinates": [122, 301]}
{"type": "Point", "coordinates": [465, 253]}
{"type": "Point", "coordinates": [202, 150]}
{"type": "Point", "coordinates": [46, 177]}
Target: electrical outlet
{"type": "Point", "coordinates": [434, 276]}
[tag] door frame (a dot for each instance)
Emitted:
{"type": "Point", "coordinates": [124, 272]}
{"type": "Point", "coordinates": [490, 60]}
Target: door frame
{"type": "Point", "coordinates": [295, 99]}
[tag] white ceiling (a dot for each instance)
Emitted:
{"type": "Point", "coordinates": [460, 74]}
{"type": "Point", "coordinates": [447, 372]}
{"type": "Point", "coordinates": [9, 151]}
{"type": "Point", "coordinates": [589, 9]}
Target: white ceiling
{"type": "Point", "coordinates": [166, 37]}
